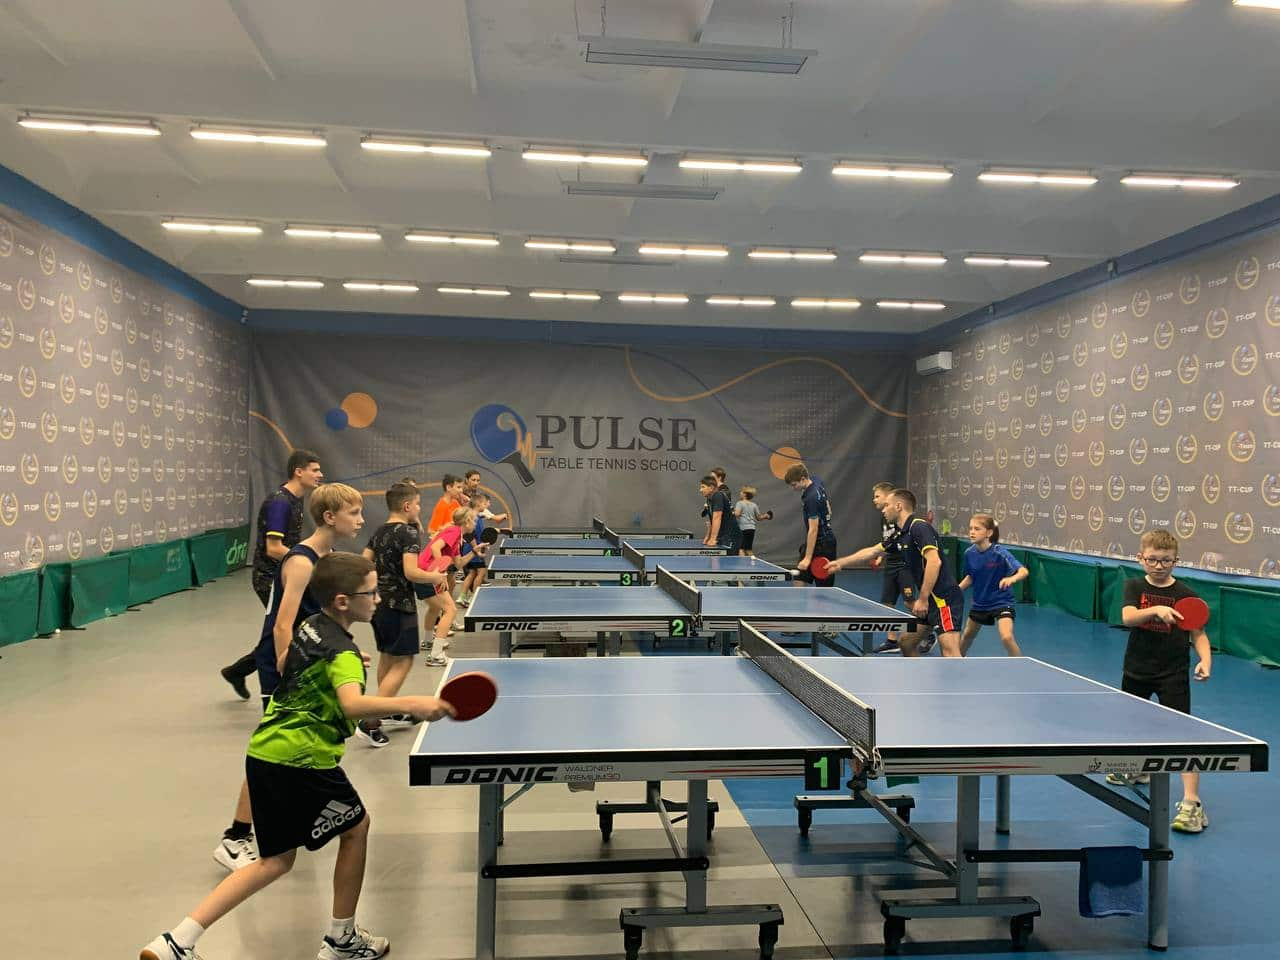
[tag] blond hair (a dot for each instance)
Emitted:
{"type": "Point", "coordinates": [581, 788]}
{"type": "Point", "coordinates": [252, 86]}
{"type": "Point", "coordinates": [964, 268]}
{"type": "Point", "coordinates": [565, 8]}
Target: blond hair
{"type": "Point", "coordinates": [330, 498]}
{"type": "Point", "coordinates": [460, 515]}
{"type": "Point", "coordinates": [1158, 540]}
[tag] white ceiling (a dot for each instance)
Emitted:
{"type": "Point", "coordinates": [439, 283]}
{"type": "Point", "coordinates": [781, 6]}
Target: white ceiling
{"type": "Point", "coordinates": [1108, 85]}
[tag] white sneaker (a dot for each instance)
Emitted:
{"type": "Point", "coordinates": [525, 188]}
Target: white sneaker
{"type": "Point", "coordinates": [399, 720]}
{"type": "Point", "coordinates": [359, 944]}
{"type": "Point", "coordinates": [437, 661]}
{"type": "Point", "coordinates": [163, 947]}
{"type": "Point", "coordinates": [236, 854]}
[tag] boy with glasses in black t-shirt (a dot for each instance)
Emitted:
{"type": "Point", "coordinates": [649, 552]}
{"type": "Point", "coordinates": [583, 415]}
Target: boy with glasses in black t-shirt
{"type": "Point", "coordinates": [1155, 660]}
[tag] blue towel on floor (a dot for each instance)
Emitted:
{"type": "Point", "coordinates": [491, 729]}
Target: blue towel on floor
{"type": "Point", "coordinates": [1111, 882]}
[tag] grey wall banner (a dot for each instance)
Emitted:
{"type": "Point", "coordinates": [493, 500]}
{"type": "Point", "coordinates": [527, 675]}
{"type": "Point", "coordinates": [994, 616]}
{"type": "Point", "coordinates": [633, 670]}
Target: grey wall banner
{"type": "Point", "coordinates": [564, 433]}
{"type": "Point", "coordinates": [1150, 401]}
{"type": "Point", "coordinates": [123, 407]}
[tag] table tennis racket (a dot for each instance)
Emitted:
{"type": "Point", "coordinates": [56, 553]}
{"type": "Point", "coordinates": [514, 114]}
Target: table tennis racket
{"type": "Point", "coordinates": [818, 567]}
{"type": "Point", "coordinates": [1194, 613]}
{"type": "Point", "coordinates": [768, 515]}
{"type": "Point", "coordinates": [470, 694]}
{"type": "Point", "coordinates": [497, 431]}
{"type": "Point", "coordinates": [489, 535]}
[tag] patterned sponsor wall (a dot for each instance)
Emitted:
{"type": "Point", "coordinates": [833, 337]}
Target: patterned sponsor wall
{"type": "Point", "coordinates": [1150, 401]}
{"type": "Point", "coordinates": [123, 407]}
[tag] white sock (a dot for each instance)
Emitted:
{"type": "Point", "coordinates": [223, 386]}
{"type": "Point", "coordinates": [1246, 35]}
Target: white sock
{"type": "Point", "coordinates": [186, 933]}
{"type": "Point", "coordinates": [340, 928]}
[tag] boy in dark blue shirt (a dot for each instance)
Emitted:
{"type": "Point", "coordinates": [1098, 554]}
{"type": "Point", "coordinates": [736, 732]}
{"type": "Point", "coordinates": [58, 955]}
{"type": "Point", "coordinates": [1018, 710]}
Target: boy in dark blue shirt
{"type": "Point", "coordinates": [940, 601]}
{"type": "Point", "coordinates": [819, 535]}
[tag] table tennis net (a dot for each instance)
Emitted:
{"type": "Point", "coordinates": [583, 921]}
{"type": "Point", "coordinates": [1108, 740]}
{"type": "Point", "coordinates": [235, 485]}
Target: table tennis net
{"type": "Point", "coordinates": [685, 594]}
{"type": "Point", "coordinates": [835, 706]}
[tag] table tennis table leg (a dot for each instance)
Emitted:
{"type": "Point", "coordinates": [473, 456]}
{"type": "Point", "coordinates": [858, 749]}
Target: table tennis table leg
{"type": "Point", "coordinates": [505, 645]}
{"type": "Point", "coordinates": [968, 799]}
{"type": "Point", "coordinates": [1002, 804]}
{"type": "Point", "coordinates": [1158, 870]}
{"type": "Point", "coordinates": [487, 888]}
{"type": "Point", "coordinates": [695, 881]}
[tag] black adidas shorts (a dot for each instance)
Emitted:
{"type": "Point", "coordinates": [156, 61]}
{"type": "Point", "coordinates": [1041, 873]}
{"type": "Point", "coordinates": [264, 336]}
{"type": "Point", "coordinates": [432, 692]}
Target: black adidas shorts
{"type": "Point", "coordinates": [897, 583]}
{"type": "Point", "coordinates": [987, 618]}
{"type": "Point", "coordinates": [294, 807]}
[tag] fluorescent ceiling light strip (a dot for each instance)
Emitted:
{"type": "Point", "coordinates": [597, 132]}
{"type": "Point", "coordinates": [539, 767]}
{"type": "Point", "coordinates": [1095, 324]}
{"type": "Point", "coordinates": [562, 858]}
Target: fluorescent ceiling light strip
{"type": "Point", "coordinates": [1260, 4]}
{"type": "Point", "coordinates": [293, 284]}
{"type": "Point", "coordinates": [391, 145]}
{"type": "Point", "coordinates": [211, 226]}
{"type": "Point", "coordinates": [275, 138]}
{"type": "Point", "coordinates": [1183, 181]}
{"type": "Point", "coordinates": [741, 166]}
{"type": "Point", "coordinates": [572, 246]}
{"type": "Point", "coordinates": [999, 260]}
{"type": "Point", "coordinates": [722, 301]}
{"type": "Point", "coordinates": [553, 155]}
{"type": "Point", "coordinates": [653, 298]}
{"type": "Point", "coordinates": [903, 259]}
{"type": "Point", "coordinates": [820, 303]}
{"type": "Point", "coordinates": [890, 172]}
{"type": "Point", "coordinates": [458, 239]}
{"type": "Point", "coordinates": [910, 305]}
{"type": "Point", "coordinates": [674, 250]}
{"type": "Point", "coordinates": [123, 128]}
{"type": "Point", "coordinates": [379, 287]}
{"type": "Point", "coordinates": [585, 296]}
{"type": "Point", "coordinates": [1047, 178]}
{"type": "Point", "coordinates": [332, 233]}
{"type": "Point", "coordinates": [773, 253]}
{"type": "Point", "coordinates": [475, 291]}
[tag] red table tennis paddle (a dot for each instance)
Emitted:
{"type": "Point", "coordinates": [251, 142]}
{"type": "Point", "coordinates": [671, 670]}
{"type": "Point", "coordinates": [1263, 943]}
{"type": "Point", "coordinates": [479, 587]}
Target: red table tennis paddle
{"type": "Point", "coordinates": [1194, 613]}
{"type": "Point", "coordinates": [818, 567]}
{"type": "Point", "coordinates": [470, 694]}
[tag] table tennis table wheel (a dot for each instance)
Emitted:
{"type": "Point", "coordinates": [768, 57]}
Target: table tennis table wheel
{"type": "Point", "coordinates": [632, 937]}
{"type": "Point", "coordinates": [895, 928]}
{"type": "Point", "coordinates": [606, 826]}
{"type": "Point", "coordinates": [768, 938]}
{"type": "Point", "coordinates": [1020, 929]}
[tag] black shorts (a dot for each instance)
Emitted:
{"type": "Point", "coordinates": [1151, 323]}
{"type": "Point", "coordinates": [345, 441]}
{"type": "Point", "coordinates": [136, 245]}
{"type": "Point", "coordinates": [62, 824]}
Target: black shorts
{"type": "Point", "coordinates": [293, 807]}
{"type": "Point", "coordinates": [1173, 691]}
{"type": "Point", "coordinates": [748, 539]}
{"type": "Point", "coordinates": [946, 610]}
{"type": "Point", "coordinates": [395, 632]}
{"type": "Point", "coordinates": [987, 617]}
{"type": "Point", "coordinates": [823, 548]}
{"type": "Point", "coordinates": [897, 583]}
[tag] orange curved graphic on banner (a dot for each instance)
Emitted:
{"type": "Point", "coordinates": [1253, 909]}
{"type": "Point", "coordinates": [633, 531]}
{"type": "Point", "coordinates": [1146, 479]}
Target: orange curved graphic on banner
{"type": "Point", "coordinates": [844, 374]}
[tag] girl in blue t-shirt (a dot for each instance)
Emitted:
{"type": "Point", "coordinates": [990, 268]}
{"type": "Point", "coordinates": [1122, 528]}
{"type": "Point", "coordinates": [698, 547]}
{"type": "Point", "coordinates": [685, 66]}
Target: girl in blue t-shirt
{"type": "Point", "coordinates": [991, 570]}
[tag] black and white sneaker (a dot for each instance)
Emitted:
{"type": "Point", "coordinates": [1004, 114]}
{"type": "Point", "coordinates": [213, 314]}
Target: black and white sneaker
{"type": "Point", "coordinates": [398, 720]}
{"type": "Point", "coordinates": [163, 947]}
{"type": "Point", "coordinates": [373, 736]}
{"type": "Point", "coordinates": [359, 944]}
{"type": "Point", "coordinates": [236, 854]}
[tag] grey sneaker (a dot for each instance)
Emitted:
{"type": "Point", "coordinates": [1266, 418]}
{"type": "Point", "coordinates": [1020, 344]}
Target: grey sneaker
{"type": "Point", "coordinates": [1190, 817]}
{"type": "Point", "coordinates": [437, 661]}
{"type": "Point", "coordinates": [359, 944]}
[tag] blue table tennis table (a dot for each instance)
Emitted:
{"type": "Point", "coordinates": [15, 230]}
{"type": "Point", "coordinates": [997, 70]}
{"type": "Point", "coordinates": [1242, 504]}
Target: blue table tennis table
{"type": "Point", "coordinates": [604, 546]}
{"type": "Point", "coordinates": [673, 607]}
{"type": "Point", "coordinates": [770, 714]}
{"type": "Point", "coordinates": [633, 568]}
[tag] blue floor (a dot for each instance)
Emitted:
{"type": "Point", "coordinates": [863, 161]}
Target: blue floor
{"type": "Point", "coordinates": [1221, 905]}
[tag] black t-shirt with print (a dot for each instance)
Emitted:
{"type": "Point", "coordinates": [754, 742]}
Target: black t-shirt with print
{"type": "Point", "coordinates": [389, 543]}
{"type": "Point", "coordinates": [1156, 649]}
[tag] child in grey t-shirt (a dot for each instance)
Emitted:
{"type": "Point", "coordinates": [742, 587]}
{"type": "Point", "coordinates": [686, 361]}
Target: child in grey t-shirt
{"type": "Point", "coordinates": [748, 513]}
